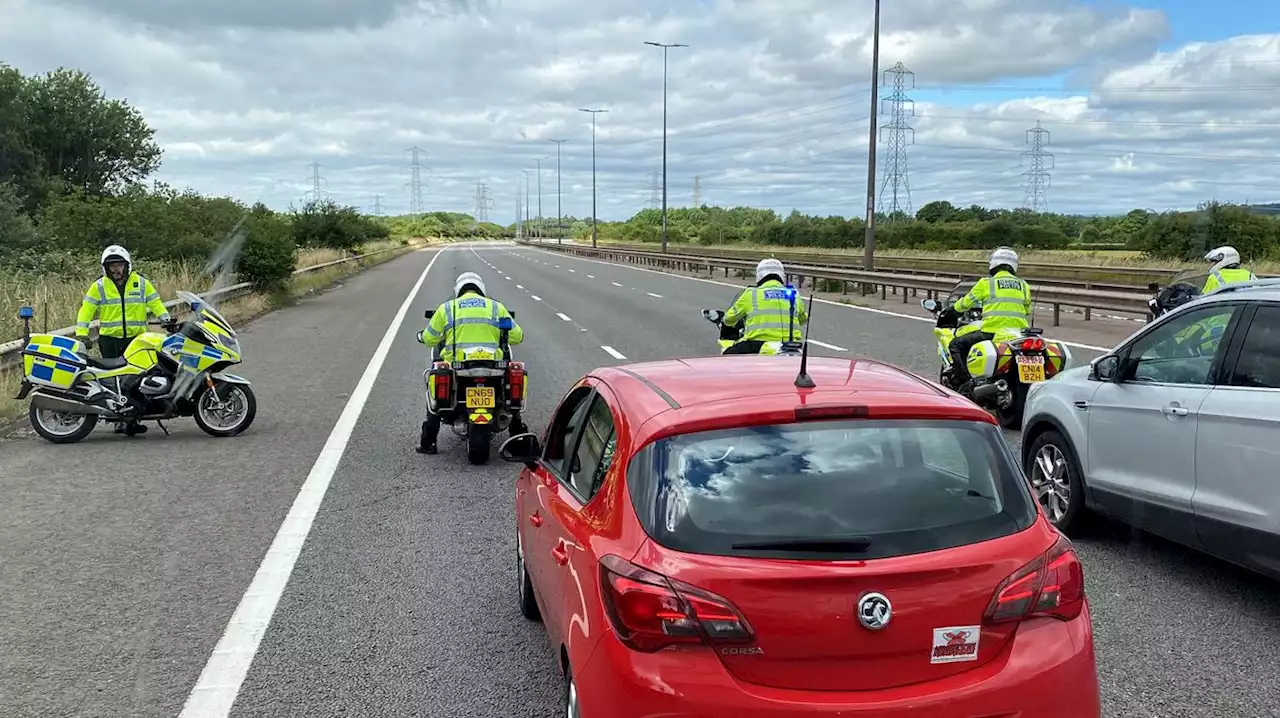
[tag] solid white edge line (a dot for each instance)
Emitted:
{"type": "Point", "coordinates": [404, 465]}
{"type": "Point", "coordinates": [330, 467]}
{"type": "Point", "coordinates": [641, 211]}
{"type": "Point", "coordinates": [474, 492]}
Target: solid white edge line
{"type": "Point", "coordinates": [1078, 345]}
{"type": "Point", "coordinates": [562, 316]}
{"type": "Point", "coordinates": [825, 345]}
{"type": "Point", "coordinates": [613, 352]}
{"type": "Point", "coordinates": [219, 683]}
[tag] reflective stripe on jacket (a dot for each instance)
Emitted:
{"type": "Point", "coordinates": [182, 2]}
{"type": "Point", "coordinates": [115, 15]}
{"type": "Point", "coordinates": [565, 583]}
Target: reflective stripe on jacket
{"type": "Point", "coordinates": [120, 315]}
{"type": "Point", "coordinates": [1005, 300]}
{"type": "Point", "coordinates": [767, 313]}
{"type": "Point", "coordinates": [1223, 277]}
{"type": "Point", "coordinates": [469, 322]}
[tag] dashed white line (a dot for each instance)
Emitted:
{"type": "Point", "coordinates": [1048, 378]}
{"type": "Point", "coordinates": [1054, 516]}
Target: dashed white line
{"type": "Point", "coordinates": [567, 319]}
{"type": "Point", "coordinates": [615, 284]}
{"type": "Point", "coordinates": [659, 296]}
{"type": "Point", "coordinates": [591, 276]}
{"type": "Point", "coordinates": [215, 691]}
{"type": "Point", "coordinates": [519, 286]}
{"type": "Point", "coordinates": [574, 271]}
{"type": "Point", "coordinates": [613, 352]}
{"type": "Point", "coordinates": [536, 298]}
{"type": "Point", "coordinates": [825, 345]}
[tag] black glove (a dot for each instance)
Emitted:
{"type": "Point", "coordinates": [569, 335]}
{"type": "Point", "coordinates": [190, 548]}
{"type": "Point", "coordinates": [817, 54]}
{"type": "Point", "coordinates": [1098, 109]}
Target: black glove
{"type": "Point", "coordinates": [87, 341]}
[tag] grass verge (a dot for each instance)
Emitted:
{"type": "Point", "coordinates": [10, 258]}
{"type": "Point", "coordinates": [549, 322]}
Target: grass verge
{"type": "Point", "coordinates": [237, 311]}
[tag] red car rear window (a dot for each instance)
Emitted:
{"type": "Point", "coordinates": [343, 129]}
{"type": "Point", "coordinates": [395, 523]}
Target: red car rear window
{"type": "Point", "coordinates": [830, 489]}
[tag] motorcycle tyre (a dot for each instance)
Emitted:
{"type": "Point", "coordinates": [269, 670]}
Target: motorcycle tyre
{"type": "Point", "coordinates": [478, 443]}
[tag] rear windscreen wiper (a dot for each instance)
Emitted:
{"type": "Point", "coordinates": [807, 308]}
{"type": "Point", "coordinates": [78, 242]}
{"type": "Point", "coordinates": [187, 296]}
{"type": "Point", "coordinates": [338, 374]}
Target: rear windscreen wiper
{"type": "Point", "coordinates": [832, 543]}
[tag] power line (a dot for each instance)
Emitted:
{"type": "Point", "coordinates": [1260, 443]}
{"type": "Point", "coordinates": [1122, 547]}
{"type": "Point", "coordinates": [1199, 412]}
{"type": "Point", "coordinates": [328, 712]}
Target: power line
{"type": "Point", "coordinates": [900, 135]}
{"type": "Point", "coordinates": [414, 184]}
{"type": "Point", "coordinates": [1037, 176]}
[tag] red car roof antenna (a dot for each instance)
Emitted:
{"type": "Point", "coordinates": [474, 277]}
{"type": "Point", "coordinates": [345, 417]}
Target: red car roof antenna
{"type": "Point", "coordinates": [803, 380]}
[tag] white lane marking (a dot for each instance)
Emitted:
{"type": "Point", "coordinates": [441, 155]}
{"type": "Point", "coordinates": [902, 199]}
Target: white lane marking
{"type": "Point", "coordinates": [825, 345]}
{"type": "Point", "coordinates": [574, 271]}
{"type": "Point", "coordinates": [219, 683]}
{"type": "Point", "coordinates": [567, 319]}
{"type": "Point", "coordinates": [536, 298]}
{"type": "Point", "coordinates": [591, 276]}
{"type": "Point", "coordinates": [519, 286]}
{"type": "Point", "coordinates": [615, 284]}
{"type": "Point", "coordinates": [659, 296]}
{"type": "Point", "coordinates": [842, 305]}
{"type": "Point", "coordinates": [613, 352]}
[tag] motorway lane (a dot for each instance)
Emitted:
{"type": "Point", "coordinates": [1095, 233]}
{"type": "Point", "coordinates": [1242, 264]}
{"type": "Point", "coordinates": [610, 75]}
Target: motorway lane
{"type": "Point", "coordinates": [402, 601]}
{"type": "Point", "coordinates": [122, 560]}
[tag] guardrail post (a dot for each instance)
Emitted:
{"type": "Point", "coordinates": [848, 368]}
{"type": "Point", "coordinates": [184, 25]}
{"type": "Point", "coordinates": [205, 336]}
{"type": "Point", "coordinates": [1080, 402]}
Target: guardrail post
{"type": "Point", "coordinates": [1057, 312]}
{"type": "Point", "coordinates": [883, 292]}
{"type": "Point", "coordinates": [1088, 313]}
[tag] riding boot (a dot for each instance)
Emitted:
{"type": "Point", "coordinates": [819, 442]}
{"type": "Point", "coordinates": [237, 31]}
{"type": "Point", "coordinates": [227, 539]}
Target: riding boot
{"type": "Point", "coordinates": [517, 426]}
{"type": "Point", "coordinates": [430, 431]}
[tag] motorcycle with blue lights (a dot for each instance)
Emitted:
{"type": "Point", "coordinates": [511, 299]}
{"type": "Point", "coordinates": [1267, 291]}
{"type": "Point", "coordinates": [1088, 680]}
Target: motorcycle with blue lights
{"type": "Point", "coordinates": [1001, 368]}
{"type": "Point", "coordinates": [731, 335]}
{"type": "Point", "coordinates": [178, 373]}
{"type": "Point", "coordinates": [478, 395]}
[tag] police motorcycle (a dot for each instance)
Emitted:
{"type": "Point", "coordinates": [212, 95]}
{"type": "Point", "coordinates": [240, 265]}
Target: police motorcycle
{"type": "Point", "coordinates": [732, 335]}
{"type": "Point", "coordinates": [1182, 288]}
{"type": "Point", "coordinates": [478, 395]}
{"type": "Point", "coordinates": [178, 373]}
{"type": "Point", "coordinates": [1001, 368]}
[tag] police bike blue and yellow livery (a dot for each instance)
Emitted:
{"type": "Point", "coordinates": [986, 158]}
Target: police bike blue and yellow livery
{"type": "Point", "coordinates": [1002, 367]}
{"type": "Point", "coordinates": [479, 394]}
{"type": "Point", "coordinates": [732, 335]}
{"type": "Point", "coordinates": [178, 373]}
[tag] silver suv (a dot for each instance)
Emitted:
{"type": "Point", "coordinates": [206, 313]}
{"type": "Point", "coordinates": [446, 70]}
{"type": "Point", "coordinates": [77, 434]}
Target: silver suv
{"type": "Point", "coordinates": [1175, 431]}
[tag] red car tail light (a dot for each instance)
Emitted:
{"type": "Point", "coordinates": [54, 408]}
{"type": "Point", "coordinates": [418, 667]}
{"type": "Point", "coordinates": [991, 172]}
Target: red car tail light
{"type": "Point", "coordinates": [650, 612]}
{"type": "Point", "coordinates": [1032, 344]}
{"type": "Point", "coordinates": [515, 375]}
{"type": "Point", "coordinates": [1052, 586]}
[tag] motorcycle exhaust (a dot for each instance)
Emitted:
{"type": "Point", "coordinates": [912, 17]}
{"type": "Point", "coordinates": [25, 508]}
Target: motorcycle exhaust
{"type": "Point", "coordinates": [988, 391]}
{"type": "Point", "coordinates": [69, 406]}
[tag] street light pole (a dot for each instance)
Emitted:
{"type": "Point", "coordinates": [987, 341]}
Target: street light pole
{"type": "Point", "coordinates": [526, 202]}
{"type": "Point", "coordinates": [869, 239]}
{"type": "Point", "coordinates": [594, 233]}
{"type": "Point", "coordinates": [541, 229]}
{"type": "Point", "coordinates": [559, 210]}
{"type": "Point", "coordinates": [665, 47]}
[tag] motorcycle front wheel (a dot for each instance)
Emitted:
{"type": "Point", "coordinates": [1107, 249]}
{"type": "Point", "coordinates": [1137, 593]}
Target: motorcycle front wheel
{"type": "Point", "coordinates": [225, 410]}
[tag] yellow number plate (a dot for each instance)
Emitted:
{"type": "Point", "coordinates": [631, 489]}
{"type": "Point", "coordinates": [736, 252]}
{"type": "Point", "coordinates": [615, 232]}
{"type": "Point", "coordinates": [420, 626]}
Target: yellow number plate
{"type": "Point", "coordinates": [482, 397]}
{"type": "Point", "coordinates": [1030, 369]}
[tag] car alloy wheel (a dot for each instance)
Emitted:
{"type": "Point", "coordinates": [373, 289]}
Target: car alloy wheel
{"type": "Point", "coordinates": [1051, 479]}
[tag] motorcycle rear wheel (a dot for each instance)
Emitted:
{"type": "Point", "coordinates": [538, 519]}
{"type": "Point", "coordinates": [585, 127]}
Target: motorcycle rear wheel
{"type": "Point", "coordinates": [73, 432]}
{"type": "Point", "coordinates": [478, 443]}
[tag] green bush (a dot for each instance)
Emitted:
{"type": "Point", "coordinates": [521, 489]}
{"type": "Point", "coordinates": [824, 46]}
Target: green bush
{"type": "Point", "coordinates": [268, 257]}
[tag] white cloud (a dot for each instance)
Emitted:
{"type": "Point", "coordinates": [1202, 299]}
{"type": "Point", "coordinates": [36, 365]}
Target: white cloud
{"type": "Point", "coordinates": [768, 105]}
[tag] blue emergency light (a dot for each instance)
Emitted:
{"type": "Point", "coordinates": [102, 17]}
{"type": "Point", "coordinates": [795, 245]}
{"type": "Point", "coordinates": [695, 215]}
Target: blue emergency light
{"type": "Point", "coordinates": [791, 294]}
{"type": "Point", "coordinates": [26, 312]}
{"type": "Point", "coordinates": [506, 323]}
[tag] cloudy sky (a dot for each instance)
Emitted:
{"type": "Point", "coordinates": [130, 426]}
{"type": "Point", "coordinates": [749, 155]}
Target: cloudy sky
{"type": "Point", "coordinates": [1158, 105]}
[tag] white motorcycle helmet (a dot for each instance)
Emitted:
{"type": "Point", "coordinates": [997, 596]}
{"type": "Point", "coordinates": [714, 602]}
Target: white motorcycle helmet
{"type": "Point", "coordinates": [1222, 257]}
{"type": "Point", "coordinates": [468, 278]}
{"type": "Point", "coordinates": [770, 266]}
{"type": "Point", "coordinates": [116, 253]}
{"type": "Point", "coordinates": [1003, 255]}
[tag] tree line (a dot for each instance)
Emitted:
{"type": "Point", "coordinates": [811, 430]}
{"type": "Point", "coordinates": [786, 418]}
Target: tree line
{"type": "Point", "coordinates": [940, 225]}
{"type": "Point", "coordinates": [75, 167]}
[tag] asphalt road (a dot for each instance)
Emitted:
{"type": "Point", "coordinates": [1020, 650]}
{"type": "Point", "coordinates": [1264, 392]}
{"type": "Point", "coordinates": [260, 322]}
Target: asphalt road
{"type": "Point", "coordinates": [122, 562]}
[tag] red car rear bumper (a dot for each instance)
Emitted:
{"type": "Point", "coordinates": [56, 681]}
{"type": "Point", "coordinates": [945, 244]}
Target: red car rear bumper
{"type": "Point", "coordinates": [1047, 671]}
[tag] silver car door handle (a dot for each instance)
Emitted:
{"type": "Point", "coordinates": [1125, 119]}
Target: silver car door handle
{"type": "Point", "coordinates": [1175, 411]}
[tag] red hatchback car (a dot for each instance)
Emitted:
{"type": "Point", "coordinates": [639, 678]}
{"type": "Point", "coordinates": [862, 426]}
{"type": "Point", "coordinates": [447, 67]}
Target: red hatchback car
{"type": "Point", "coordinates": [703, 538]}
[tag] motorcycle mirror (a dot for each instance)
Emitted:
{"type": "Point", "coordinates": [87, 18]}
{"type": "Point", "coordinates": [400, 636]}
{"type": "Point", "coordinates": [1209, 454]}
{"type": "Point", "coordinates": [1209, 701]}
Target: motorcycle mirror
{"type": "Point", "coordinates": [929, 304]}
{"type": "Point", "coordinates": [427, 314]}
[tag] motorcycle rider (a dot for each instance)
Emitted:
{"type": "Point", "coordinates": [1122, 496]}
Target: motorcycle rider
{"type": "Point", "coordinates": [764, 311]}
{"type": "Point", "coordinates": [1005, 299]}
{"type": "Point", "coordinates": [1226, 269]}
{"type": "Point", "coordinates": [121, 299]}
{"type": "Point", "coordinates": [468, 320]}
